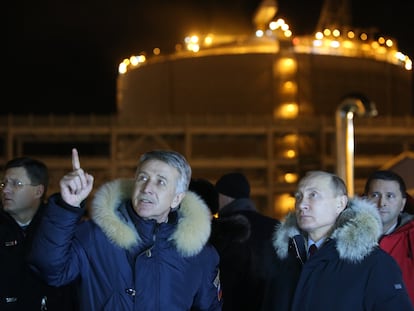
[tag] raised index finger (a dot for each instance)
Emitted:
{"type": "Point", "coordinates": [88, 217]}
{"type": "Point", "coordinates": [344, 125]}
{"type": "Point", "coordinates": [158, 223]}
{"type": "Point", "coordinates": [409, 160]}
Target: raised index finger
{"type": "Point", "coordinates": [75, 160]}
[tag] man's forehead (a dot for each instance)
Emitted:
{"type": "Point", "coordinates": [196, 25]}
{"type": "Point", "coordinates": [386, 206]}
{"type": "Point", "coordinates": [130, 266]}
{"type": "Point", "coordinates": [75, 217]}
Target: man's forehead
{"type": "Point", "coordinates": [16, 172]}
{"type": "Point", "coordinates": [157, 167]}
{"type": "Point", "coordinates": [381, 183]}
{"type": "Point", "coordinates": [314, 182]}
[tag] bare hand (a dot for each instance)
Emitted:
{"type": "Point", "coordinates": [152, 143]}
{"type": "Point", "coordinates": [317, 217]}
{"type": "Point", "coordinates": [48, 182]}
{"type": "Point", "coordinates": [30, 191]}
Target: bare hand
{"type": "Point", "coordinates": [76, 185]}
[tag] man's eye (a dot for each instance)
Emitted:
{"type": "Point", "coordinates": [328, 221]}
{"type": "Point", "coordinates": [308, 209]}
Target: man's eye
{"type": "Point", "coordinates": [141, 178]}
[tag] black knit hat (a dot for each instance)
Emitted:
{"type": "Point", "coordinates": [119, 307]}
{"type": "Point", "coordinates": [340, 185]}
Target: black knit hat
{"type": "Point", "coordinates": [234, 185]}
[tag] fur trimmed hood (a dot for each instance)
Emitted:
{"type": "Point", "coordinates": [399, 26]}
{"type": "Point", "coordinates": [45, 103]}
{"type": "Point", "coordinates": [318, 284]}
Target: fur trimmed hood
{"type": "Point", "coordinates": [191, 233]}
{"type": "Point", "coordinates": [356, 231]}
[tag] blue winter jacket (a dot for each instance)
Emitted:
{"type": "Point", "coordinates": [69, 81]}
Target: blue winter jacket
{"type": "Point", "coordinates": [348, 273]}
{"type": "Point", "coordinates": [123, 265]}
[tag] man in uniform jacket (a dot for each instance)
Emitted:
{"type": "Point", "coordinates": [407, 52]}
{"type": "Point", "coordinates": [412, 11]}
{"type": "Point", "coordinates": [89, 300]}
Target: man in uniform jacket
{"type": "Point", "coordinates": [145, 247]}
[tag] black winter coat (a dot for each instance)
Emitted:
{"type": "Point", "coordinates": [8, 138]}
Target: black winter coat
{"type": "Point", "coordinates": [349, 272]}
{"type": "Point", "coordinates": [20, 288]}
{"type": "Point", "coordinates": [242, 236]}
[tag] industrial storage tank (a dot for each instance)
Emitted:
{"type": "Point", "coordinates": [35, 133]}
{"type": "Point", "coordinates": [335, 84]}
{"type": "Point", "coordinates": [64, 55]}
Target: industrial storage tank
{"type": "Point", "coordinates": [268, 72]}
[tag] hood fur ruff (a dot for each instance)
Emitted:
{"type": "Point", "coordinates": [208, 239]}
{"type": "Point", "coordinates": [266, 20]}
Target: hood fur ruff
{"type": "Point", "coordinates": [356, 231]}
{"type": "Point", "coordinates": [190, 236]}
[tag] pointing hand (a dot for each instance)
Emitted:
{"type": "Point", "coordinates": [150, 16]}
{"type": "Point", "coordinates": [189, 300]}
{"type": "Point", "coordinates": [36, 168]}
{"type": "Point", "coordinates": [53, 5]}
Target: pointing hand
{"type": "Point", "coordinates": [76, 185]}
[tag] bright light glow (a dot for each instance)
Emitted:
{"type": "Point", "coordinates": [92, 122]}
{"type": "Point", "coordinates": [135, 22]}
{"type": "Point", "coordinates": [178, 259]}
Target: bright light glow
{"type": "Point", "coordinates": [289, 87]}
{"type": "Point", "coordinates": [290, 154]}
{"type": "Point", "coordinates": [291, 139]}
{"type": "Point", "coordinates": [317, 43]}
{"type": "Point", "coordinates": [286, 66]}
{"type": "Point", "coordinates": [374, 45]}
{"type": "Point", "coordinates": [277, 24]}
{"type": "Point", "coordinates": [408, 64]}
{"type": "Point", "coordinates": [381, 50]}
{"type": "Point", "coordinates": [287, 111]}
{"type": "Point", "coordinates": [134, 60]}
{"type": "Point", "coordinates": [273, 25]}
{"type": "Point", "coordinates": [336, 33]}
{"type": "Point", "coordinates": [348, 44]}
{"type": "Point", "coordinates": [285, 27]}
{"type": "Point", "coordinates": [193, 47]}
{"type": "Point", "coordinates": [365, 47]}
{"type": "Point", "coordinates": [259, 33]}
{"type": "Point", "coordinates": [122, 68]}
{"type": "Point", "coordinates": [192, 43]}
{"type": "Point", "coordinates": [291, 178]}
{"type": "Point", "coordinates": [335, 44]}
{"type": "Point", "coordinates": [389, 43]}
{"type": "Point", "coordinates": [284, 204]}
{"type": "Point", "coordinates": [327, 32]}
{"type": "Point", "coordinates": [208, 40]}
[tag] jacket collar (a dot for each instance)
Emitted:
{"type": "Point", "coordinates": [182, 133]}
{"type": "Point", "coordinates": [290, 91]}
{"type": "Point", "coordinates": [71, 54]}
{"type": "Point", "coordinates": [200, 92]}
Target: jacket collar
{"type": "Point", "coordinates": [190, 235]}
{"type": "Point", "coordinates": [356, 231]}
{"type": "Point", "coordinates": [238, 205]}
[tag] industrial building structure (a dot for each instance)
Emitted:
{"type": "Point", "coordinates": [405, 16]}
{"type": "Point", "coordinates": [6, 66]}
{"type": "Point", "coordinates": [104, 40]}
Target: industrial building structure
{"type": "Point", "coordinates": [263, 103]}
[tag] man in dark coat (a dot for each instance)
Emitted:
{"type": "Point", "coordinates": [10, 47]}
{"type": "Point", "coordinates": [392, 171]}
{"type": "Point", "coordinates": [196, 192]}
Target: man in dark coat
{"type": "Point", "coordinates": [348, 271]}
{"type": "Point", "coordinates": [23, 191]}
{"type": "Point", "coordinates": [242, 237]}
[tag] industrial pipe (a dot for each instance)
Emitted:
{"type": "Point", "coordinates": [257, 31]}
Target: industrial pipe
{"type": "Point", "coordinates": [350, 105]}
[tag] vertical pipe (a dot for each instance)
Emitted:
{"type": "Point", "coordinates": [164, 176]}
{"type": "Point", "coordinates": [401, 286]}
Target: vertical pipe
{"type": "Point", "coordinates": [345, 136]}
{"type": "Point", "coordinates": [350, 153]}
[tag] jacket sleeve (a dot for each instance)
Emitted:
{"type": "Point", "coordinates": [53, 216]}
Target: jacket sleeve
{"type": "Point", "coordinates": [386, 290]}
{"type": "Point", "coordinates": [209, 295]}
{"type": "Point", "coordinates": [54, 254]}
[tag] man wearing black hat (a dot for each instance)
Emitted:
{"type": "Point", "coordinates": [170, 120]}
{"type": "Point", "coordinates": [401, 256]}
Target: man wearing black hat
{"type": "Point", "coordinates": [242, 237]}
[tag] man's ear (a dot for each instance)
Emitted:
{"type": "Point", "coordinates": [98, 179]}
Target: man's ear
{"type": "Point", "coordinates": [177, 199]}
{"type": "Point", "coordinates": [39, 191]}
{"type": "Point", "coordinates": [341, 203]}
{"type": "Point", "coordinates": [404, 201]}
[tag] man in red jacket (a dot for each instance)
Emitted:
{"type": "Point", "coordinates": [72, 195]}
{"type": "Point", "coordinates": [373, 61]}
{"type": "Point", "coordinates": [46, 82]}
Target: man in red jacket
{"type": "Point", "coordinates": [388, 190]}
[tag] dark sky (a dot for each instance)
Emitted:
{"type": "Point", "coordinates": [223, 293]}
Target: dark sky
{"type": "Point", "coordinates": [62, 56]}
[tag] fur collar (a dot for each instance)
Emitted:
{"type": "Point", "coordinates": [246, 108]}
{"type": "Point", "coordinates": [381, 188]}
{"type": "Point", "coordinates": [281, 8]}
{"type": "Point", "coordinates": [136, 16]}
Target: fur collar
{"type": "Point", "coordinates": [190, 236]}
{"type": "Point", "coordinates": [356, 231]}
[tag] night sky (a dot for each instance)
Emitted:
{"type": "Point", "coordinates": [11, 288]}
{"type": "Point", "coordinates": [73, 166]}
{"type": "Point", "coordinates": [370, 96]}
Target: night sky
{"type": "Point", "coordinates": [63, 56]}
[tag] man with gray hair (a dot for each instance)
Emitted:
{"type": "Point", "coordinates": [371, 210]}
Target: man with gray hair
{"type": "Point", "coordinates": [145, 247]}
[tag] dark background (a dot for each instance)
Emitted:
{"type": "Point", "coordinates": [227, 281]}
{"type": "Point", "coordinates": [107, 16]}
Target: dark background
{"type": "Point", "coordinates": [62, 56]}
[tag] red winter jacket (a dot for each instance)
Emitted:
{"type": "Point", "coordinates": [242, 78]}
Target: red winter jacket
{"type": "Point", "coordinates": [400, 245]}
